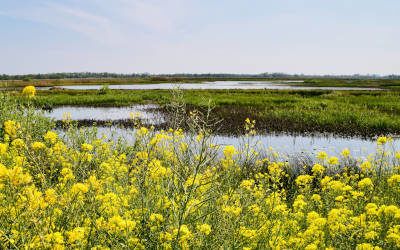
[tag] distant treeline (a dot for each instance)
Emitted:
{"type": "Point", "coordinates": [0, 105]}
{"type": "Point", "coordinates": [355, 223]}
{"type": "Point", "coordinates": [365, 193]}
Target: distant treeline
{"type": "Point", "coordinates": [86, 75]}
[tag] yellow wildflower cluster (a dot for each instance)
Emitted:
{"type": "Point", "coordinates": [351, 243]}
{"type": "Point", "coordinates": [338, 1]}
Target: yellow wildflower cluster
{"type": "Point", "coordinates": [29, 91]}
{"type": "Point", "coordinates": [11, 129]}
{"type": "Point", "coordinates": [160, 194]}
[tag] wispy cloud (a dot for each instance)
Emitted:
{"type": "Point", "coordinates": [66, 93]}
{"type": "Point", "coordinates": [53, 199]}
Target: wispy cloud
{"type": "Point", "coordinates": [119, 21]}
{"type": "Point", "coordinates": [62, 16]}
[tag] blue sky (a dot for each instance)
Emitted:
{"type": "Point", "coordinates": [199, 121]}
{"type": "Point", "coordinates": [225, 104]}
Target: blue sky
{"type": "Point", "coordinates": [201, 36]}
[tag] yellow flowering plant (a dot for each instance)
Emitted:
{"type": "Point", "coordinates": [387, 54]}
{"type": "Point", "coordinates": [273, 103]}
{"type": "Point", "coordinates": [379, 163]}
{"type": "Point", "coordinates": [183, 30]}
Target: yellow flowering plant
{"type": "Point", "coordinates": [29, 91]}
{"type": "Point", "coordinates": [83, 192]}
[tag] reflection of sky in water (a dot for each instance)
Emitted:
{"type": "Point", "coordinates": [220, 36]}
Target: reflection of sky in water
{"type": "Point", "coordinates": [282, 143]}
{"type": "Point", "coordinates": [107, 113]}
{"type": "Point", "coordinates": [211, 85]}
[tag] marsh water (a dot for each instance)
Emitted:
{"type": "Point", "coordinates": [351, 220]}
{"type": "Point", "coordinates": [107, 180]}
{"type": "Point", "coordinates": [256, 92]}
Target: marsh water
{"type": "Point", "coordinates": [283, 143]}
{"type": "Point", "coordinates": [148, 113]}
{"type": "Point", "coordinates": [273, 85]}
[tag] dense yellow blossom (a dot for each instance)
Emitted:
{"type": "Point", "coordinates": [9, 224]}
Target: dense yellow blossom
{"type": "Point", "coordinates": [345, 152]}
{"type": "Point", "coordinates": [87, 147]}
{"type": "Point", "coordinates": [229, 151]}
{"type": "Point", "coordinates": [164, 192]}
{"type": "Point", "coordinates": [11, 128]}
{"type": "Point", "coordinates": [318, 169]}
{"type": "Point", "coordinates": [50, 137]}
{"type": "Point", "coordinates": [29, 91]}
{"type": "Point", "coordinates": [204, 228]}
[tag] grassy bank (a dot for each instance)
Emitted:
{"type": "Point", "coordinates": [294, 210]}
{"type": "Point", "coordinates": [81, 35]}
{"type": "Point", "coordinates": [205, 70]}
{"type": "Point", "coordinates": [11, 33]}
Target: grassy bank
{"type": "Point", "coordinates": [391, 84]}
{"type": "Point", "coordinates": [343, 112]}
{"type": "Point", "coordinates": [113, 81]}
{"type": "Point", "coordinates": [365, 83]}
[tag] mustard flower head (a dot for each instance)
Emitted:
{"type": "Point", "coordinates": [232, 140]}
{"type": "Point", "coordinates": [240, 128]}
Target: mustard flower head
{"type": "Point", "coordinates": [50, 137]}
{"type": "Point", "coordinates": [382, 140]}
{"type": "Point", "coordinates": [204, 229]}
{"type": "Point", "coordinates": [29, 91]}
{"type": "Point", "coordinates": [11, 128]}
{"type": "Point", "coordinates": [229, 151]}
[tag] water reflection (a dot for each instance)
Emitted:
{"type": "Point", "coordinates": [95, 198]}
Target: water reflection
{"type": "Point", "coordinates": [276, 85]}
{"type": "Point", "coordinates": [283, 143]}
{"type": "Point", "coordinates": [147, 113]}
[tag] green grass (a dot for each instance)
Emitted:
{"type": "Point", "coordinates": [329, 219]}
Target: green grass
{"type": "Point", "coordinates": [365, 83]}
{"type": "Point", "coordinates": [391, 84]}
{"type": "Point", "coordinates": [113, 81]}
{"type": "Point", "coordinates": [365, 113]}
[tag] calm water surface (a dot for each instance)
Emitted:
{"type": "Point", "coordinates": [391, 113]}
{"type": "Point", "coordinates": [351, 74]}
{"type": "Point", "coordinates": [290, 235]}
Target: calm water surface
{"type": "Point", "coordinates": [281, 85]}
{"type": "Point", "coordinates": [147, 113]}
{"type": "Point", "coordinates": [284, 143]}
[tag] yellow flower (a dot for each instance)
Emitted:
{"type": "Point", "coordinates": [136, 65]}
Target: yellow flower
{"type": "Point", "coordinates": [255, 209]}
{"type": "Point", "coordinates": [157, 170]}
{"type": "Point", "coordinates": [3, 149]}
{"type": "Point", "coordinates": [371, 235]}
{"type": "Point", "coordinates": [204, 228]}
{"type": "Point", "coordinates": [78, 188]}
{"type": "Point", "coordinates": [382, 140]}
{"type": "Point", "coordinates": [76, 235]}
{"type": "Point", "coordinates": [229, 151]}
{"type": "Point", "coordinates": [311, 246]}
{"type": "Point", "coordinates": [367, 246]}
{"type": "Point", "coordinates": [51, 196]}
{"type": "Point", "coordinates": [371, 209]}
{"type": "Point", "coordinates": [11, 128]}
{"type": "Point", "coordinates": [304, 180]}
{"type": "Point", "coordinates": [232, 210]}
{"type": "Point", "coordinates": [299, 203]}
{"type": "Point", "coordinates": [393, 235]}
{"type": "Point", "coordinates": [67, 174]}
{"type": "Point", "coordinates": [394, 180]}
{"type": "Point", "coordinates": [365, 183]}
{"type": "Point", "coordinates": [143, 131]}
{"type": "Point", "coordinates": [316, 198]}
{"type": "Point", "coordinates": [184, 233]}
{"type": "Point", "coordinates": [3, 171]}
{"type": "Point", "coordinates": [50, 137]}
{"type": "Point", "coordinates": [18, 143]}
{"type": "Point", "coordinates": [366, 166]}
{"type": "Point", "coordinates": [247, 233]}
{"type": "Point", "coordinates": [17, 177]}
{"type": "Point", "coordinates": [345, 153]}
{"type": "Point", "coordinates": [86, 147]}
{"type": "Point", "coordinates": [157, 218]}
{"type": "Point", "coordinates": [118, 224]}
{"type": "Point", "coordinates": [29, 91]}
{"type": "Point", "coordinates": [247, 184]}
{"type": "Point", "coordinates": [322, 155]}
{"type": "Point", "coordinates": [54, 238]}
{"type": "Point", "coordinates": [318, 169]}
{"type": "Point", "coordinates": [38, 146]}
{"type": "Point", "coordinates": [333, 160]}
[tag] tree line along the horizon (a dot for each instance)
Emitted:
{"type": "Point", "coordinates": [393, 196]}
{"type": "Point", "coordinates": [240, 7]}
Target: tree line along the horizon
{"type": "Point", "coordinates": [70, 75]}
